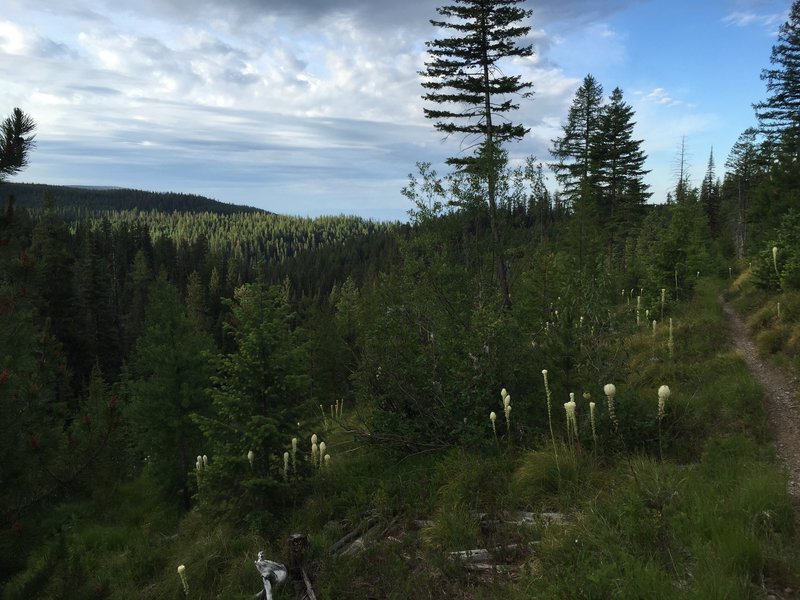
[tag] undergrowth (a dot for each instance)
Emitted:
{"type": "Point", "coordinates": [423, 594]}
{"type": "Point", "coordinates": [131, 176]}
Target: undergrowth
{"type": "Point", "coordinates": [691, 505]}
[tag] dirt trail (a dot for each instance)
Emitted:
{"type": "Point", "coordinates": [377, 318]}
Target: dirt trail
{"type": "Point", "coordinates": [781, 392]}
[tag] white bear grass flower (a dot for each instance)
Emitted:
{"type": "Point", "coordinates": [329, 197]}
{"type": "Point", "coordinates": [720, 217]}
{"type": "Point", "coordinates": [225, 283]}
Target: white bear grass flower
{"type": "Point", "coordinates": [184, 580]}
{"type": "Point", "coordinates": [572, 424]}
{"type": "Point", "coordinates": [775, 260]}
{"type": "Point", "coordinates": [663, 396]}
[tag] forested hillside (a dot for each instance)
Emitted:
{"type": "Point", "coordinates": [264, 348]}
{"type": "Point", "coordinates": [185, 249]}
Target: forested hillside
{"type": "Point", "coordinates": [76, 202]}
{"type": "Point", "coordinates": [524, 392]}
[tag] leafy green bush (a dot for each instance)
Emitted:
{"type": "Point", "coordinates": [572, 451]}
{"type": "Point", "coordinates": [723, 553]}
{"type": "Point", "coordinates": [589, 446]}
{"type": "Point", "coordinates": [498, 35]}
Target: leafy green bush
{"type": "Point", "coordinates": [781, 270]}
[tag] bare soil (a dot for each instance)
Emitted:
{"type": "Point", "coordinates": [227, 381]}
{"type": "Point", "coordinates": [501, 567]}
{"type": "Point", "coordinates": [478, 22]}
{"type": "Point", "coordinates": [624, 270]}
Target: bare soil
{"type": "Point", "coordinates": [781, 391]}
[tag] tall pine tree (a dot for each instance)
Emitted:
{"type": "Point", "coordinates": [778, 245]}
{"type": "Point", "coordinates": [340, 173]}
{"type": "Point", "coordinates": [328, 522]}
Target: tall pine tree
{"type": "Point", "coordinates": [472, 94]}
{"type": "Point", "coordinates": [710, 197]}
{"type": "Point", "coordinates": [16, 142]}
{"type": "Point", "coordinates": [572, 151]}
{"type": "Point", "coordinates": [166, 380]}
{"type": "Point", "coordinates": [618, 164]}
{"type": "Point", "coordinates": [779, 114]}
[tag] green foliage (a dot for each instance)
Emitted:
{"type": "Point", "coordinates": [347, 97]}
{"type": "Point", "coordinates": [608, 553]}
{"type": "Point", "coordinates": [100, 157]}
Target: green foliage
{"type": "Point", "coordinates": [672, 249]}
{"type": "Point", "coordinates": [780, 271]}
{"type": "Point", "coordinates": [671, 530]}
{"type": "Point", "coordinates": [166, 381]}
{"type": "Point", "coordinates": [544, 479]}
{"type": "Point", "coordinates": [464, 69]}
{"type": "Point", "coordinates": [573, 151]}
{"type": "Point", "coordinates": [415, 328]}
{"type": "Point", "coordinates": [83, 202]}
{"type": "Point", "coordinates": [778, 113]}
{"type": "Point", "coordinates": [128, 542]}
{"type": "Point", "coordinates": [260, 394]}
{"type": "Point", "coordinates": [16, 142]}
{"type": "Point", "coordinates": [600, 167]}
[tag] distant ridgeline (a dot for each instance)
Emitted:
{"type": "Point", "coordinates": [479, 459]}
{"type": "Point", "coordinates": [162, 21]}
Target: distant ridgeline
{"type": "Point", "coordinates": [183, 232]}
{"type": "Point", "coordinates": [75, 202]}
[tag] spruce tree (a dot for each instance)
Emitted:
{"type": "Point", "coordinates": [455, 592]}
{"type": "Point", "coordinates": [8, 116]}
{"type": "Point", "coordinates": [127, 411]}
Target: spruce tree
{"type": "Point", "coordinates": [744, 169]}
{"type": "Point", "coordinates": [779, 114]}
{"type": "Point", "coordinates": [572, 151]}
{"type": "Point", "coordinates": [259, 394]}
{"type": "Point", "coordinates": [166, 380]}
{"type": "Point", "coordinates": [710, 197]}
{"type": "Point", "coordinates": [618, 165]}
{"type": "Point", "coordinates": [472, 94]}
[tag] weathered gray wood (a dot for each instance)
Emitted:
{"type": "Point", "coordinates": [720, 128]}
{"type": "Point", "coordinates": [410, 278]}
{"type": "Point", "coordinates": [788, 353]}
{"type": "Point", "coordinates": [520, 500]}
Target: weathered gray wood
{"type": "Point", "coordinates": [522, 517]}
{"type": "Point", "coordinates": [493, 556]}
{"type": "Point", "coordinates": [272, 573]}
{"type": "Point", "coordinates": [309, 591]}
{"type": "Point", "coordinates": [359, 531]}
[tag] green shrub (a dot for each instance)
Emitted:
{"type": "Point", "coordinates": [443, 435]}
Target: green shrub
{"type": "Point", "coordinates": [772, 341]}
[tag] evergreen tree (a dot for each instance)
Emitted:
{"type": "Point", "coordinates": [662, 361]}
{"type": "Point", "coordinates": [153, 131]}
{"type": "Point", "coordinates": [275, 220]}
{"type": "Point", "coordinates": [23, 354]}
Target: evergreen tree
{"type": "Point", "coordinates": [34, 399]}
{"type": "Point", "coordinates": [743, 170]}
{"type": "Point", "coordinates": [16, 142]}
{"type": "Point", "coordinates": [574, 167]}
{"type": "Point", "coordinates": [710, 197]}
{"type": "Point", "coordinates": [137, 286]}
{"type": "Point", "coordinates": [618, 171]}
{"type": "Point", "coordinates": [166, 379]}
{"type": "Point", "coordinates": [196, 303]}
{"type": "Point", "coordinates": [464, 72]}
{"type": "Point", "coordinates": [259, 394]}
{"type": "Point", "coordinates": [779, 114]}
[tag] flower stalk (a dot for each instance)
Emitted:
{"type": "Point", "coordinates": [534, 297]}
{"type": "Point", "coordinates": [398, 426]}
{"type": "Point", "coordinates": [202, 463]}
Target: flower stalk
{"type": "Point", "coordinates": [184, 580]}
{"type": "Point", "coordinates": [610, 390]}
{"type": "Point", "coordinates": [550, 415]}
{"type": "Point", "coordinates": [671, 342]}
{"type": "Point", "coordinates": [775, 260]}
{"type": "Point", "coordinates": [638, 309]}
{"type": "Point", "coordinates": [663, 396]}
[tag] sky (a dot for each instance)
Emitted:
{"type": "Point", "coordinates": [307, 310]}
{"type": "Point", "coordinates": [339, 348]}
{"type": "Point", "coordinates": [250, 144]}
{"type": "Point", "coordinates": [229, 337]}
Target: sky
{"type": "Point", "coordinates": [313, 107]}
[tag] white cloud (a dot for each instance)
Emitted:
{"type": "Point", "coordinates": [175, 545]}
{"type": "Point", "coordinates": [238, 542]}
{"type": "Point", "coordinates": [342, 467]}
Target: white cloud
{"type": "Point", "coordinates": [747, 18]}
{"type": "Point", "coordinates": [658, 96]}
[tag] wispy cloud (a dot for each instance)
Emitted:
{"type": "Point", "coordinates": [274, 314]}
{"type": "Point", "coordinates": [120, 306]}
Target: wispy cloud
{"type": "Point", "coordinates": [749, 18]}
{"type": "Point", "coordinates": [658, 96]}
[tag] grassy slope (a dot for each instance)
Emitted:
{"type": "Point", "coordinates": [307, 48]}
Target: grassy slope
{"type": "Point", "coordinates": [709, 520]}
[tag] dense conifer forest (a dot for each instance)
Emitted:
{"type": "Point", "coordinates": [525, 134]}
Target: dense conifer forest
{"type": "Point", "coordinates": [523, 392]}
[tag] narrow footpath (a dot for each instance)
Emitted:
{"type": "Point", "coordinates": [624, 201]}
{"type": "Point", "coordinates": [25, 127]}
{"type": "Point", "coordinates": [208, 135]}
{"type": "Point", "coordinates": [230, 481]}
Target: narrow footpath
{"type": "Point", "coordinates": [782, 399]}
